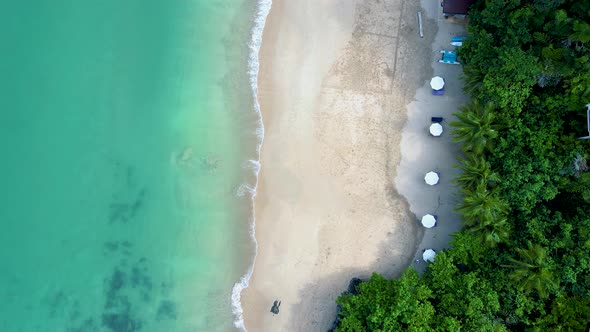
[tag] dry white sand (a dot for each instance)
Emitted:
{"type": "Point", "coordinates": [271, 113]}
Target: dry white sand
{"type": "Point", "coordinates": [336, 76]}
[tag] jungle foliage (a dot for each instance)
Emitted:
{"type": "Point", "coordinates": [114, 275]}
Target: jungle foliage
{"type": "Point", "coordinates": [522, 260]}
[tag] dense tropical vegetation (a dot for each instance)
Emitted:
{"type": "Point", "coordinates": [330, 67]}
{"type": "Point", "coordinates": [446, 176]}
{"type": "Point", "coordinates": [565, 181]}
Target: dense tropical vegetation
{"type": "Point", "coordinates": [522, 260]}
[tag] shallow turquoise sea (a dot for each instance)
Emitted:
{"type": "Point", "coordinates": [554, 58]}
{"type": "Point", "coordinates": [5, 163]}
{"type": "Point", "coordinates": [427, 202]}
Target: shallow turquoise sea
{"type": "Point", "coordinates": [125, 134]}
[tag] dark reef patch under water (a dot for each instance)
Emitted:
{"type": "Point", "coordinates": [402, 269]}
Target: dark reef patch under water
{"type": "Point", "coordinates": [128, 294]}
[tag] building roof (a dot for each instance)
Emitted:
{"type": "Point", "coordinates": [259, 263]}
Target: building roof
{"type": "Point", "coordinates": [457, 7]}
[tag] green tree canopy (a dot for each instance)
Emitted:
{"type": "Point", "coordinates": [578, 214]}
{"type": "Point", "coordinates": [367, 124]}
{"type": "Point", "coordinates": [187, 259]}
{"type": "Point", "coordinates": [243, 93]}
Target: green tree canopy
{"type": "Point", "coordinates": [532, 270]}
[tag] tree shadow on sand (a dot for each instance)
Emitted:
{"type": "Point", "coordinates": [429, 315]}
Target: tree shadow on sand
{"type": "Point", "coordinates": [317, 311]}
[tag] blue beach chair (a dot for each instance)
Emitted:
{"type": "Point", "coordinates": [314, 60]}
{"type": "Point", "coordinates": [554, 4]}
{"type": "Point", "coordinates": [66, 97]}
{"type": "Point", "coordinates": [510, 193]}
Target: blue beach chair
{"type": "Point", "coordinates": [449, 57]}
{"type": "Point", "coordinates": [438, 92]}
{"type": "Point", "coordinates": [457, 41]}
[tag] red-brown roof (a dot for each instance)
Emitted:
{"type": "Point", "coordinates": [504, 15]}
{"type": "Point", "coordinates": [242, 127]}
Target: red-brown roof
{"type": "Point", "coordinates": [457, 7]}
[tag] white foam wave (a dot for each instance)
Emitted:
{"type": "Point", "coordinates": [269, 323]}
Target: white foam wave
{"type": "Point", "coordinates": [260, 132]}
{"type": "Point", "coordinates": [252, 164]}
{"type": "Point", "coordinates": [262, 10]}
{"type": "Point", "coordinates": [244, 189]}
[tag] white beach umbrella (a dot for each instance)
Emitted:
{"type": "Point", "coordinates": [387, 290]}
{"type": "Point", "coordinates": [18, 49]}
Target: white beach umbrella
{"type": "Point", "coordinates": [431, 178]}
{"type": "Point", "coordinates": [428, 221]}
{"type": "Point", "coordinates": [437, 83]}
{"type": "Point", "coordinates": [428, 255]}
{"type": "Point", "coordinates": [436, 129]}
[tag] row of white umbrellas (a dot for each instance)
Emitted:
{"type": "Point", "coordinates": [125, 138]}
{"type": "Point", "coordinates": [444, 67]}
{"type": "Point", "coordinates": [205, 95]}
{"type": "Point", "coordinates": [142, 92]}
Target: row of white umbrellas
{"type": "Point", "coordinates": [432, 178]}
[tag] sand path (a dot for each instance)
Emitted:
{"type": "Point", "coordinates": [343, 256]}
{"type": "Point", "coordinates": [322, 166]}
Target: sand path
{"type": "Point", "coordinates": [422, 153]}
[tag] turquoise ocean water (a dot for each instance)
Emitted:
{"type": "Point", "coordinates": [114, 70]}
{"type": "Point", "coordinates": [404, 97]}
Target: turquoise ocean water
{"type": "Point", "coordinates": [128, 133]}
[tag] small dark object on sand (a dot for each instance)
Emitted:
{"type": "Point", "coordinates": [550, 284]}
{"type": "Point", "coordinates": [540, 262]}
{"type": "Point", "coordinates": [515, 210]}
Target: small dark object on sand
{"type": "Point", "coordinates": [275, 307]}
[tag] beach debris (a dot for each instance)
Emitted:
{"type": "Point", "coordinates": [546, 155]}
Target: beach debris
{"type": "Point", "coordinates": [428, 221]}
{"type": "Point", "coordinates": [428, 255]}
{"type": "Point", "coordinates": [420, 24]}
{"type": "Point", "coordinates": [431, 178]}
{"type": "Point", "coordinates": [275, 307]}
{"type": "Point", "coordinates": [436, 129]}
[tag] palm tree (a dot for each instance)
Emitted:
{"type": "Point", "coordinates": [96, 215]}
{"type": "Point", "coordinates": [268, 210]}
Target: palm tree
{"type": "Point", "coordinates": [476, 171]}
{"type": "Point", "coordinates": [475, 128]}
{"type": "Point", "coordinates": [482, 205]}
{"type": "Point", "coordinates": [473, 78]}
{"type": "Point", "coordinates": [532, 271]}
{"type": "Point", "coordinates": [581, 32]}
{"type": "Point", "coordinates": [492, 232]}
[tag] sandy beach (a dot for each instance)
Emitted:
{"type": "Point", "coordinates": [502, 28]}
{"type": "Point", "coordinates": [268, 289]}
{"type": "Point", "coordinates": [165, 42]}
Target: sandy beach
{"type": "Point", "coordinates": [335, 82]}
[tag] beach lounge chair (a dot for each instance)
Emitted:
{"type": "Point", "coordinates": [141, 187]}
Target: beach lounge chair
{"type": "Point", "coordinates": [457, 41]}
{"type": "Point", "coordinates": [436, 119]}
{"type": "Point", "coordinates": [438, 92]}
{"type": "Point", "coordinates": [449, 57]}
